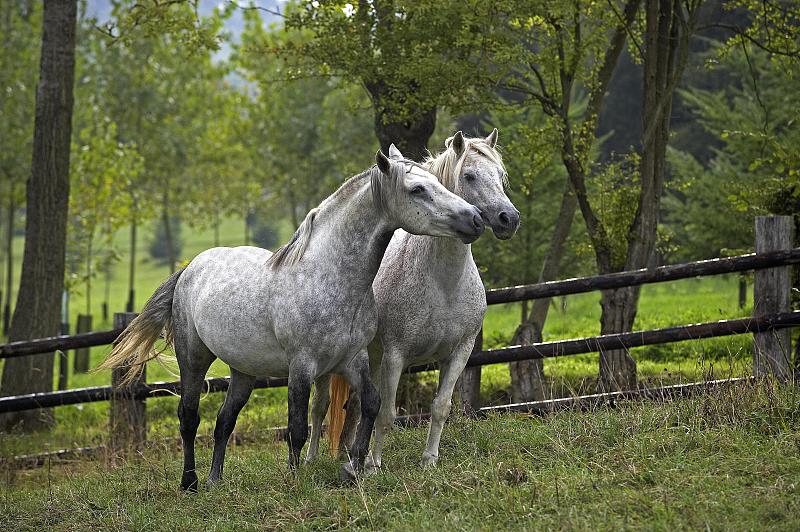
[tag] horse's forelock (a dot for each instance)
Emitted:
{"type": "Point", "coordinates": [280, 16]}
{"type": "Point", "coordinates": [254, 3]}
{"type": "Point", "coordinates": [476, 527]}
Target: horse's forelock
{"type": "Point", "coordinates": [447, 165]}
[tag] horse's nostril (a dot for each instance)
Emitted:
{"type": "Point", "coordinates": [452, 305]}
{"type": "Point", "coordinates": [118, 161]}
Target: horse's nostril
{"type": "Point", "coordinates": [477, 221]}
{"type": "Point", "coordinates": [504, 218]}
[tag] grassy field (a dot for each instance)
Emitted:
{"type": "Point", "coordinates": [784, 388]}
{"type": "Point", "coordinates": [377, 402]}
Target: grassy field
{"type": "Point", "coordinates": [661, 305]}
{"type": "Point", "coordinates": [726, 460]}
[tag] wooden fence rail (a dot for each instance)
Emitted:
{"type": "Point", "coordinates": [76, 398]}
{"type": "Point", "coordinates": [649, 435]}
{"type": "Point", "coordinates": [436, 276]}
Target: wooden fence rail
{"type": "Point", "coordinates": [495, 296]}
{"type": "Point", "coordinates": [739, 263]}
{"type": "Point", "coordinates": [592, 344]}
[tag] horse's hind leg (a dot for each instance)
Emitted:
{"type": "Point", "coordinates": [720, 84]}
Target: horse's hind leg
{"type": "Point", "coordinates": [194, 359]}
{"type": "Point", "coordinates": [319, 407]}
{"type": "Point", "coordinates": [351, 419]}
{"type": "Point", "coordinates": [370, 405]}
{"type": "Point", "coordinates": [300, 380]}
{"type": "Point", "coordinates": [238, 394]}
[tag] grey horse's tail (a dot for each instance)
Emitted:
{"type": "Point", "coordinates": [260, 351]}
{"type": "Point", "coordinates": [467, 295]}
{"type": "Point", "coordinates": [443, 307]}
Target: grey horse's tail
{"type": "Point", "coordinates": [134, 347]}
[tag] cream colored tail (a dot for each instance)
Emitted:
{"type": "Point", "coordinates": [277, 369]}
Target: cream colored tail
{"type": "Point", "coordinates": [340, 391]}
{"type": "Point", "coordinates": [135, 346]}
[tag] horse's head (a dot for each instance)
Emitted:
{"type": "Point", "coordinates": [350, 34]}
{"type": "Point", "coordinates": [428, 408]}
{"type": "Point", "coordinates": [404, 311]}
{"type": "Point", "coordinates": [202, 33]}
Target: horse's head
{"type": "Point", "coordinates": [481, 179]}
{"type": "Point", "coordinates": [415, 200]}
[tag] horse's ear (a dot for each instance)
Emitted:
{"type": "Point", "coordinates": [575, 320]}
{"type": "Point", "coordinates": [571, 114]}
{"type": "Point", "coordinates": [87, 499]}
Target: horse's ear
{"type": "Point", "coordinates": [383, 162]}
{"type": "Point", "coordinates": [491, 140]}
{"type": "Point", "coordinates": [394, 153]}
{"type": "Point", "coordinates": [457, 143]}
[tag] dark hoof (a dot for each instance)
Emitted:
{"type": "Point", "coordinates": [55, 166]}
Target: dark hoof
{"type": "Point", "coordinates": [189, 482]}
{"type": "Point", "coordinates": [347, 474]}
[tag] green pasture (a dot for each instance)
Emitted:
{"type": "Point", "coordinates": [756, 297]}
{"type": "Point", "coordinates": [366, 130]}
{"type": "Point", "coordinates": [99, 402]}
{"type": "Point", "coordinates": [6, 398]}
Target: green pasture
{"type": "Point", "coordinates": [727, 460]}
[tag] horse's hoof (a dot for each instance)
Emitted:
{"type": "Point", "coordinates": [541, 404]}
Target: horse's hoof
{"type": "Point", "coordinates": [347, 475]}
{"type": "Point", "coordinates": [428, 460]}
{"type": "Point", "coordinates": [212, 482]}
{"type": "Point", "coordinates": [371, 469]}
{"type": "Point", "coordinates": [371, 466]}
{"type": "Point", "coordinates": [189, 483]}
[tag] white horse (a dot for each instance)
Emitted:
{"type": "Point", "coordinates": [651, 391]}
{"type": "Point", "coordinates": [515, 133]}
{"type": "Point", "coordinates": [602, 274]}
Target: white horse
{"type": "Point", "coordinates": [304, 312]}
{"type": "Point", "coordinates": [430, 299]}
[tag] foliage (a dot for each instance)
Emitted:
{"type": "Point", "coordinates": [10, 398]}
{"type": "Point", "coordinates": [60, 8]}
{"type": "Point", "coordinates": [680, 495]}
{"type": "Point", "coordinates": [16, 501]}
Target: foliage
{"type": "Point", "coordinates": [409, 55]}
{"type": "Point", "coordinates": [20, 35]}
{"type": "Point", "coordinates": [756, 167]}
{"type": "Point", "coordinates": [101, 169]}
{"type": "Point", "coordinates": [308, 134]}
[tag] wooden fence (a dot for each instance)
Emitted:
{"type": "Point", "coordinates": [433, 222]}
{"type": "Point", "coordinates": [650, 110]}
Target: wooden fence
{"type": "Point", "coordinates": [769, 325]}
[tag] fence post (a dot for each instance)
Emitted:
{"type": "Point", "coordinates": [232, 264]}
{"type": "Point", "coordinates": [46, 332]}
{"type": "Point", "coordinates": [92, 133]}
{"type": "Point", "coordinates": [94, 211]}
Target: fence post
{"type": "Point", "coordinates": [469, 384]}
{"type": "Point", "coordinates": [128, 418]}
{"type": "Point", "coordinates": [771, 294]}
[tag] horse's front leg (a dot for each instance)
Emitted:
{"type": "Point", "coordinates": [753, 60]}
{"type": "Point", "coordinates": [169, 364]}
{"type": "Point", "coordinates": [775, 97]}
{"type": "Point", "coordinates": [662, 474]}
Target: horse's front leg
{"type": "Point", "coordinates": [319, 407]}
{"type": "Point", "coordinates": [449, 371]}
{"type": "Point", "coordinates": [300, 380]}
{"type": "Point", "coordinates": [370, 405]}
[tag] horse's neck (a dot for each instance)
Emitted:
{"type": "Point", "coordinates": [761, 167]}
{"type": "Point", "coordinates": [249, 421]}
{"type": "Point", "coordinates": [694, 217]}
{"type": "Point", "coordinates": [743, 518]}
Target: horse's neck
{"type": "Point", "coordinates": [444, 257]}
{"type": "Point", "coordinates": [352, 235]}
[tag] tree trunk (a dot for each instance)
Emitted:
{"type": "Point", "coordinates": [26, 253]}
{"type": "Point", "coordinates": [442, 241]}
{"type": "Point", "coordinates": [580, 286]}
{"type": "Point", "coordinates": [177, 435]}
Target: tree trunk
{"type": "Point", "coordinates": [742, 290]}
{"type": "Point", "coordinates": [168, 240]}
{"type": "Point", "coordinates": [216, 229]}
{"type": "Point", "coordinates": [106, 291]}
{"type": "Point", "coordinates": [410, 136]}
{"type": "Point", "coordinates": [617, 367]}
{"type": "Point", "coordinates": [247, 227]}
{"type": "Point", "coordinates": [666, 39]}
{"type": "Point", "coordinates": [37, 313]}
{"type": "Point", "coordinates": [9, 259]}
{"type": "Point", "coordinates": [89, 252]}
{"type": "Point", "coordinates": [527, 377]}
{"type": "Point", "coordinates": [132, 269]}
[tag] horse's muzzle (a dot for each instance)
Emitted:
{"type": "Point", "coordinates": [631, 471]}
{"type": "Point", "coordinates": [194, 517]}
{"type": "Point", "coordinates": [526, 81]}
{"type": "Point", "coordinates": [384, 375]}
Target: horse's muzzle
{"type": "Point", "coordinates": [469, 226]}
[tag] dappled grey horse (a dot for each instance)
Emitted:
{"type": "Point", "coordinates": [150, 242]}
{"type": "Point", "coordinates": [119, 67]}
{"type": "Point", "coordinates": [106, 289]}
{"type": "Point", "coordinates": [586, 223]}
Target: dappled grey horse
{"type": "Point", "coordinates": [430, 298]}
{"type": "Point", "coordinates": [304, 312]}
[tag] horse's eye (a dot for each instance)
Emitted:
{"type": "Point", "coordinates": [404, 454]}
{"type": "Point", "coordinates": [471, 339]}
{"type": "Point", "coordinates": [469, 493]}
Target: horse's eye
{"type": "Point", "coordinates": [419, 189]}
{"type": "Point", "coordinates": [469, 176]}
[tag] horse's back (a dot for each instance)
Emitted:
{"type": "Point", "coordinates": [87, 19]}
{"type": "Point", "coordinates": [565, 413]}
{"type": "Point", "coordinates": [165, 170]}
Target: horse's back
{"type": "Point", "coordinates": [224, 293]}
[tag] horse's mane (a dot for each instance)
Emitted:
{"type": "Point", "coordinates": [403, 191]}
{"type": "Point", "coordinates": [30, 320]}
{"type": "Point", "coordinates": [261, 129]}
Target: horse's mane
{"type": "Point", "coordinates": [291, 252]}
{"type": "Point", "coordinates": [447, 165]}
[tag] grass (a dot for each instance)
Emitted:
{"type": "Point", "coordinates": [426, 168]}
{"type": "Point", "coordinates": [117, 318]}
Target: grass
{"type": "Point", "coordinates": [729, 459]}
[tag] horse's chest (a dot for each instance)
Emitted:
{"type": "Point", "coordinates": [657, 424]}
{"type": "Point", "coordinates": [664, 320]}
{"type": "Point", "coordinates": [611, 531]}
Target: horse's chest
{"type": "Point", "coordinates": [429, 328]}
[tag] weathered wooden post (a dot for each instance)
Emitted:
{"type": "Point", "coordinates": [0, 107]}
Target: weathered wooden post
{"type": "Point", "coordinates": [771, 295]}
{"type": "Point", "coordinates": [469, 384]}
{"type": "Point", "coordinates": [128, 417]}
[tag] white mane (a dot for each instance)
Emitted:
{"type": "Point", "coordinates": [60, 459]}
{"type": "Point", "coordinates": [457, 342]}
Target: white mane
{"type": "Point", "coordinates": [291, 252]}
{"type": "Point", "coordinates": [447, 166]}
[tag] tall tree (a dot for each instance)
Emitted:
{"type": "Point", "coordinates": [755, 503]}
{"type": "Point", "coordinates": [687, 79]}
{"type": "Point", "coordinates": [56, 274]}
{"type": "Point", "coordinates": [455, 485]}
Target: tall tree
{"type": "Point", "coordinates": [412, 57]}
{"type": "Point", "coordinates": [37, 312]}
{"type": "Point", "coordinates": [562, 57]}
